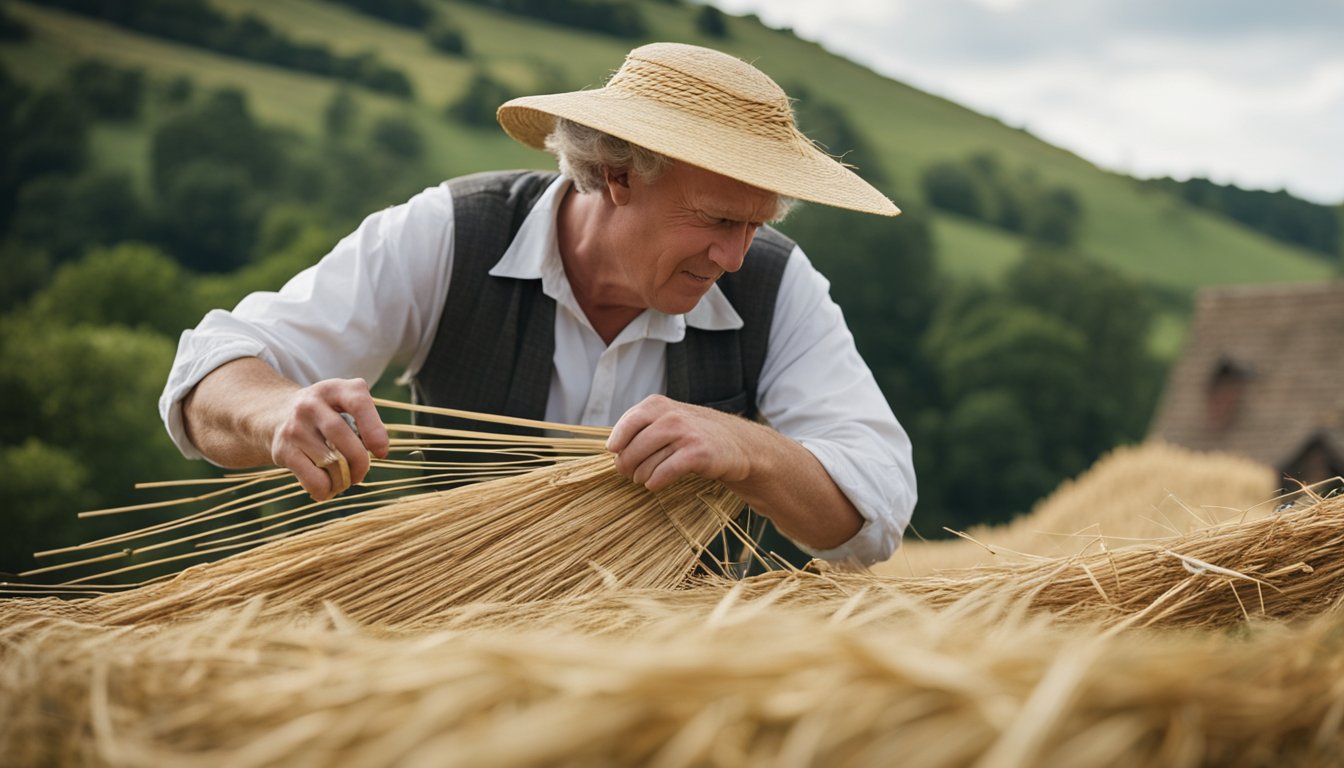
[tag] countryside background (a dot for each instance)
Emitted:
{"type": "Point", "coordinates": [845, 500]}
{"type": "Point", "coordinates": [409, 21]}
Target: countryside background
{"type": "Point", "coordinates": [164, 158]}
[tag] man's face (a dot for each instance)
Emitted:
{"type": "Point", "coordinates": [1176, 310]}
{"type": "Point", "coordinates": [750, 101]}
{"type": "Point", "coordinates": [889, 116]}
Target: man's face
{"type": "Point", "coordinates": [683, 231]}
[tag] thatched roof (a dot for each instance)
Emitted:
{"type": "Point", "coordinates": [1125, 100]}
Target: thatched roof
{"type": "Point", "coordinates": [1262, 374]}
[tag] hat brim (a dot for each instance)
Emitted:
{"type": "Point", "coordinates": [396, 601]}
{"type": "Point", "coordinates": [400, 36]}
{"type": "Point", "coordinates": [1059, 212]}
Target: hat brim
{"type": "Point", "coordinates": [796, 169]}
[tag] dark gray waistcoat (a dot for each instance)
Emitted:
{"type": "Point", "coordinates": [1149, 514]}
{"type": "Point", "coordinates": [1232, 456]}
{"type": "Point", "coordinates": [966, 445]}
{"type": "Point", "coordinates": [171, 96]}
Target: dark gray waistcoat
{"type": "Point", "coordinates": [495, 342]}
{"type": "Point", "coordinates": [496, 338]}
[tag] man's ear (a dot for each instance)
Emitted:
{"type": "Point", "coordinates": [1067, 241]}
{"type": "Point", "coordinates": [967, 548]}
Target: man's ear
{"type": "Point", "coordinates": [618, 184]}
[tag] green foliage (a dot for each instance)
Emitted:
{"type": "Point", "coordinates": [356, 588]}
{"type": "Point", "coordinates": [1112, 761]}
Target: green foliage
{"type": "Point", "coordinates": [981, 188]}
{"type": "Point", "coordinates": [447, 36]}
{"type": "Point", "coordinates": [617, 18]}
{"type": "Point", "coordinates": [208, 216]}
{"type": "Point", "coordinates": [397, 135]}
{"type": "Point", "coordinates": [50, 135]}
{"type": "Point", "coordinates": [291, 241]}
{"type": "Point", "coordinates": [1276, 214]}
{"type": "Point", "coordinates": [221, 130]}
{"type": "Point", "coordinates": [109, 92]}
{"type": "Point", "coordinates": [953, 187]}
{"type": "Point", "coordinates": [132, 285]}
{"type": "Point", "coordinates": [27, 269]}
{"type": "Point", "coordinates": [709, 21]}
{"type": "Point", "coordinates": [1058, 352]}
{"type": "Point", "coordinates": [91, 392]}
{"type": "Point", "coordinates": [67, 215]}
{"type": "Point", "coordinates": [42, 488]}
{"type": "Point", "coordinates": [11, 29]}
{"type": "Point", "coordinates": [477, 106]}
{"type": "Point", "coordinates": [340, 116]}
{"type": "Point", "coordinates": [409, 13]}
{"type": "Point", "coordinates": [194, 22]}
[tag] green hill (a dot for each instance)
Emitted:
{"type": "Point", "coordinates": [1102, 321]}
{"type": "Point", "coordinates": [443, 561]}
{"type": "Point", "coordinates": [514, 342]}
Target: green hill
{"type": "Point", "coordinates": [1145, 232]}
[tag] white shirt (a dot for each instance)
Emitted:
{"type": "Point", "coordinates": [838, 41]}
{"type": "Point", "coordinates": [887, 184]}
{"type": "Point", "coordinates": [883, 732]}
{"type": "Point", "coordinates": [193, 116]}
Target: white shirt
{"type": "Point", "coordinates": [376, 299]}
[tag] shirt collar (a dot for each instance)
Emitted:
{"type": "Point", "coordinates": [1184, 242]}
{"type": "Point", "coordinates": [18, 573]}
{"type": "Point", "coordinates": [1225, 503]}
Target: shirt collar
{"type": "Point", "coordinates": [534, 254]}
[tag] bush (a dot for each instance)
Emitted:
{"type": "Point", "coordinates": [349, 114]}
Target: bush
{"type": "Point", "coordinates": [398, 136]}
{"type": "Point", "coordinates": [109, 92]}
{"type": "Point", "coordinates": [710, 22]}
{"type": "Point", "coordinates": [132, 285]}
{"type": "Point", "coordinates": [446, 36]}
{"type": "Point", "coordinates": [477, 106]}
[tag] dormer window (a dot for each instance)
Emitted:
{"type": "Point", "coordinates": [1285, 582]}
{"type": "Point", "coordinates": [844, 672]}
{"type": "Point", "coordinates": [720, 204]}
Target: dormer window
{"type": "Point", "coordinates": [1227, 386]}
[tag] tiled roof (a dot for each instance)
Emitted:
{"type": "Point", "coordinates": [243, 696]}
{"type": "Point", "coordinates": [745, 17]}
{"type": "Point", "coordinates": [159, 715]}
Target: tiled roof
{"type": "Point", "coordinates": [1289, 341]}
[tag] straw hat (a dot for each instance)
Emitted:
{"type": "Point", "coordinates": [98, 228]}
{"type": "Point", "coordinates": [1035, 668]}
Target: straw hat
{"type": "Point", "coordinates": [708, 109]}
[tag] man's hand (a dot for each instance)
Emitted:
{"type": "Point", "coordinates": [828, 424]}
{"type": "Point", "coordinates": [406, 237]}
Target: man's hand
{"type": "Point", "coordinates": [659, 440]}
{"type": "Point", "coordinates": [244, 414]}
{"type": "Point", "coordinates": [311, 437]}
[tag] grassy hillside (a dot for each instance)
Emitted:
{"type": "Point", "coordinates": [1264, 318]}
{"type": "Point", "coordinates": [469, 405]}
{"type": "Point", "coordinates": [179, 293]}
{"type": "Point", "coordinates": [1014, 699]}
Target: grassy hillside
{"type": "Point", "coordinates": [1149, 234]}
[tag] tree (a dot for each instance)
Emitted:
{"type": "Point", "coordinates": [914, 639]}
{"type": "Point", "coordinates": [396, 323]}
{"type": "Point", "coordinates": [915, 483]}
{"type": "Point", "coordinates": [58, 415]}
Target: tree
{"type": "Point", "coordinates": [340, 115]}
{"type": "Point", "coordinates": [27, 269]}
{"type": "Point", "coordinates": [398, 136]}
{"type": "Point", "coordinates": [477, 105]}
{"type": "Point", "coordinates": [710, 22]}
{"type": "Point", "coordinates": [42, 489]}
{"type": "Point", "coordinates": [1115, 316]}
{"type": "Point", "coordinates": [109, 92]}
{"type": "Point", "coordinates": [133, 285]}
{"type": "Point", "coordinates": [953, 188]}
{"type": "Point", "coordinates": [222, 130]}
{"type": "Point", "coordinates": [91, 392]}
{"type": "Point", "coordinates": [66, 216]}
{"type": "Point", "coordinates": [446, 35]}
{"type": "Point", "coordinates": [1056, 217]}
{"type": "Point", "coordinates": [209, 216]}
{"type": "Point", "coordinates": [1037, 364]}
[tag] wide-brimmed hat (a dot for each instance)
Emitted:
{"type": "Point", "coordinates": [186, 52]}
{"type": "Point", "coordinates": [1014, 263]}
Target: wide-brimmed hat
{"type": "Point", "coordinates": [708, 109]}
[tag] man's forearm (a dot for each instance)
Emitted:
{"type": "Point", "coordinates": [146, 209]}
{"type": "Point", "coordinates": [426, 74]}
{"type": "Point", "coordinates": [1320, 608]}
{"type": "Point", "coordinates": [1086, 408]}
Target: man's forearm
{"type": "Point", "coordinates": [229, 415]}
{"type": "Point", "coordinates": [790, 486]}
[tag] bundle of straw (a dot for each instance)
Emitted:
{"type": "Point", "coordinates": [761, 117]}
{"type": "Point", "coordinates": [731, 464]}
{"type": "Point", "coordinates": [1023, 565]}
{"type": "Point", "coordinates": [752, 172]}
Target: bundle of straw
{"type": "Point", "coordinates": [567, 529]}
{"type": "Point", "coordinates": [1134, 493]}
{"type": "Point", "coordinates": [1286, 565]}
{"type": "Point", "coordinates": [564, 531]}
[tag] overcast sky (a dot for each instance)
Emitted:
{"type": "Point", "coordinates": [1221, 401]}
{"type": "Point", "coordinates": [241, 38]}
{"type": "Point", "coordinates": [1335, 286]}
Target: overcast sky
{"type": "Point", "coordinates": [1241, 91]}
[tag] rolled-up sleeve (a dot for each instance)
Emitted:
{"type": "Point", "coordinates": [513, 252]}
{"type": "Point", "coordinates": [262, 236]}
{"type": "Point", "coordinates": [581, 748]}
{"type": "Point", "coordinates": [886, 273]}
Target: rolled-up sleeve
{"type": "Point", "coordinates": [816, 389]}
{"type": "Point", "coordinates": [374, 299]}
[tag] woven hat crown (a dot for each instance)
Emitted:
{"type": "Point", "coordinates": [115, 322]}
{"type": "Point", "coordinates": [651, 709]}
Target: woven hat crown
{"type": "Point", "coordinates": [708, 109]}
{"type": "Point", "coordinates": [712, 85]}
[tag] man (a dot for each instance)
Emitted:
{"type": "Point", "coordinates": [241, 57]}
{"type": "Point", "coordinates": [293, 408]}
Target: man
{"type": "Point", "coordinates": [640, 287]}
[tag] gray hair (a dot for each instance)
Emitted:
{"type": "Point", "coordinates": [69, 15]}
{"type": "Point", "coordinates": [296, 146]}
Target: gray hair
{"type": "Point", "coordinates": [583, 152]}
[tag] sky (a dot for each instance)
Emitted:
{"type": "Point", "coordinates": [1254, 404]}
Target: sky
{"type": "Point", "coordinates": [1243, 92]}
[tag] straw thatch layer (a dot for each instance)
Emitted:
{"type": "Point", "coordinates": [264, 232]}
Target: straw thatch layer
{"type": "Point", "coordinates": [744, 681]}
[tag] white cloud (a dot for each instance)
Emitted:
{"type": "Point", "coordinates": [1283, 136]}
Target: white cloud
{"type": "Point", "coordinates": [1239, 91]}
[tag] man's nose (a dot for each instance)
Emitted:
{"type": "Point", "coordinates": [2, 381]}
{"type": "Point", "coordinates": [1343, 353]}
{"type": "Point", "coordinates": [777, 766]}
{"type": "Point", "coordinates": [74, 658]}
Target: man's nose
{"type": "Point", "coordinates": [730, 250]}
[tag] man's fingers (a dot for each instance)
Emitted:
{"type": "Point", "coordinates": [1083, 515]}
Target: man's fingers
{"type": "Point", "coordinates": [645, 469]}
{"type": "Point", "coordinates": [370, 425]}
{"type": "Point", "coordinates": [634, 421]}
{"type": "Point", "coordinates": [312, 473]}
{"type": "Point", "coordinates": [337, 434]}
